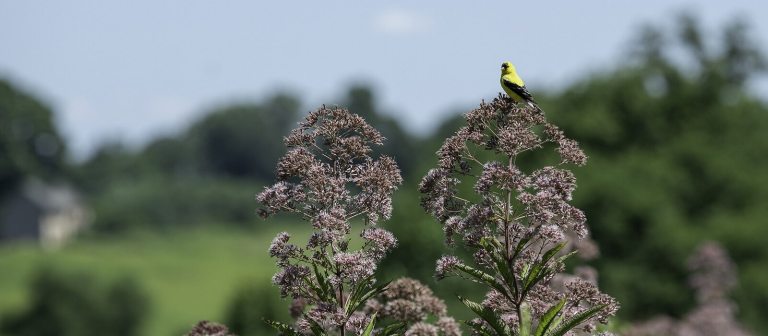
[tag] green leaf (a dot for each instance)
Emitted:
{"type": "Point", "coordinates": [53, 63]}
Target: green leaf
{"type": "Point", "coordinates": [525, 319]}
{"type": "Point", "coordinates": [492, 247]}
{"type": "Point", "coordinates": [476, 273]}
{"type": "Point", "coordinates": [556, 322]}
{"type": "Point", "coordinates": [354, 295]}
{"type": "Point", "coordinates": [576, 320]}
{"type": "Point", "coordinates": [317, 330]}
{"type": "Point", "coordinates": [361, 293]}
{"type": "Point", "coordinates": [324, 288]}
{"type": "Point", "coordinates": [392, 329]}
{"type": "Point", "coordinates": [525, 271]}
{"type": "Point", "coordinates": [566, 256]}
{"type": "Point", "coordinates": [539, 269]}
{"type": "Point", "coordinates": [482, 277]}
{"type": "Point", "coordinates": [529, 281]}
{"type": "Point", "coordinates": [317, 289]}
{"type": "Point", "coordinates": [283, 328]}
{"type": "Point", "coordinates": [369, 329]}
{"type": "Point", "coordinates": [486, 314]}
{"type": "Point", "coordinates": [551, 253]}
{"type": "Point", "coordinates": [490, 244]}
{"type": "Point", "coordinates": [520, 246]}
{"type": "Point", "coordinates": [549, 316]}
{"type": "Point", "coordinates": [479, 328]}
{"type": "Point", "coordinates": [378, 289]}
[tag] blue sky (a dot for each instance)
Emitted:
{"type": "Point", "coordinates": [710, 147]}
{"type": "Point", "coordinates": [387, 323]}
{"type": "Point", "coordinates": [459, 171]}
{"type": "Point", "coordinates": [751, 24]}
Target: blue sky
{"type": "Point", "coordinates": [133, 69]}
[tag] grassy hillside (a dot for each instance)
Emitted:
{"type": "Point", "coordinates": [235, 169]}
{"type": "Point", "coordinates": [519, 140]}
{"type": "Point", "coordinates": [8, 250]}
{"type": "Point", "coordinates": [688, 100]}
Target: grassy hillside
{"type": "Point", "coordinates": [189, 275]}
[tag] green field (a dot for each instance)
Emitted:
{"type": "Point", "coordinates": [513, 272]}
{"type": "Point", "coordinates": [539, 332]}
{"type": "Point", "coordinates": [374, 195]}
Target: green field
{"type": "Point", "coordinates": [189, 275]}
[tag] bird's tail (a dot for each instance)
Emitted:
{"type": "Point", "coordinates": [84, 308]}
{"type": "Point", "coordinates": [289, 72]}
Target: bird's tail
{"type": "Point", "coordinates": [533, 105]}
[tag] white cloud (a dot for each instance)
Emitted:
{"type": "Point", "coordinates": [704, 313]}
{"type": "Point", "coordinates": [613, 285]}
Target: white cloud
{"type": "Point", "coordinates": [402, 22]}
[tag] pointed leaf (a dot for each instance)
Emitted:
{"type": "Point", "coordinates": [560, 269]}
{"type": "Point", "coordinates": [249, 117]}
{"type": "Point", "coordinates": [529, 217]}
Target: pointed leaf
{"type": "Point", "coordinates": [356, 292]}
{"type": "Point", "coordinates": [316, 328]}
{"type": "Point", "coordinates": [321, 281]}
{"type": "Point", "coordinates": [492, 247]}
{"type": "Point", "coordinates": [486, 314]}
{"type": "Point", "coordinates": [525, 319]}
{"type": "Point", "coordinates": [482, 277]}
{"type": "Point", "coordinates": [520, 246]}
{"type": "Point", "coordinates": [369, 329]}
{"type": "Point", "coordinates": [574, 321]}
{"type": "Point", "coordinates": [392, 329]}
{"type": "Point", "coordinates": [362, 294]}
{"type": "Point", "coordinates": [551, 253]}
{"type": "Point", "coordinates": [567, 255]}
{"type": "Point", "coordinates": [556, 323]}
{"type": "Point", "coordinates": [479, 328]}
{"type": "Point", "coordinates": [283, 328]}
{"type": "Point", "coordinates": [535, 274]}
{"type": "Point", "coordinates": [549, 316]}
{"type": "Point", "coordinates": [315, 288]}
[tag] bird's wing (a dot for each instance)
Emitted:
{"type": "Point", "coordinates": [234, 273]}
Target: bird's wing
{"type": "Point", "coordinates": [519, 90]}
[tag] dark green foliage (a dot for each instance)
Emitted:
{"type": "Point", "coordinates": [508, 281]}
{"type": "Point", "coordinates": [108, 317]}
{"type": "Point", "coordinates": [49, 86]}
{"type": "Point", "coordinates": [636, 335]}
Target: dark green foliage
{"type": "Point", "coordinates": [129, 307]}
{"type": "Point", "coordinates": [64, 304]}
{"type": "Point", "coordinates": [30, 144]}
{"type": "Point", "coordinates": [110, 164]}
{"type": "Point", "coordinates": [207, 173]}
{"type": "Point", "coordinates": [251, 306]}
{"type": "Point", "coordinates": [237, 141]}
{"type": "Point", "coordinates": [675, 146]}
{"type": "Point", "coordinates": [420, 240]}
{"type": "Point", "coordinates": [400, 145]}
{"type": "Point", "coordinates": [164, 204]}
{"type": "Point", "coordinates": [244, 140]}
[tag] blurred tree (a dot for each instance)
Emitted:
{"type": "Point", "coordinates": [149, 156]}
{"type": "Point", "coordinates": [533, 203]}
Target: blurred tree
{"type": "Point", "coordinates": [244, 140]}
{"type": "Point", "coordinates": [220, 159]}
{"type": "Point", "coordinates": [207, 173]}
{"type": "Point", "coordinates": [400, 145]}
{"type": "Point", "coordinates": [171, 156]}
{"type": "Point", "coordinates": [677, 144]}
{"type": "Point", "coordinates": [236, 141]}
{"type": "Point", "coordinates": [30, 144]}
{"type": "Point", "coordinates": [157, 203]}
{"type": "Point", "coordinates": [111, 162]}
{"type": "Point", "coordinates": [129, 307]}
{"type": "Point", "coordinates": [65, 304]}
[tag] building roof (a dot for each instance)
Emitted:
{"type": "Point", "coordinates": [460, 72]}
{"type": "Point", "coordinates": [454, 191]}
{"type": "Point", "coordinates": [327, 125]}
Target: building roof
{"type": "Point", "coordinates": [50, 197]}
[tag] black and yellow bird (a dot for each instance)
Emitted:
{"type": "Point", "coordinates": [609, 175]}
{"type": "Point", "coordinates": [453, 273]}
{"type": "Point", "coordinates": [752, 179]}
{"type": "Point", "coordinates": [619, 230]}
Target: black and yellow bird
{"type": "Point", "coordinates": [514, 86]}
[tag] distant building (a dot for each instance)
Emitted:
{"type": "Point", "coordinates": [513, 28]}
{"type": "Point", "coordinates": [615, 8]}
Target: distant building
{"type": "Point", "coordinates": [49, 214]}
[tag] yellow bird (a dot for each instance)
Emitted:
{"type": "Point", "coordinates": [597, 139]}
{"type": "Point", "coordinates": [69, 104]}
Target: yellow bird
{"type": "Point", "coordinates": [514, 86]}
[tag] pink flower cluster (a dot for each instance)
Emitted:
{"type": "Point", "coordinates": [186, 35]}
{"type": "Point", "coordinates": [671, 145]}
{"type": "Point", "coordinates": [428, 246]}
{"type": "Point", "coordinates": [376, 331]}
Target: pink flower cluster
{"type": "Point", "coordinates": [526, 211]}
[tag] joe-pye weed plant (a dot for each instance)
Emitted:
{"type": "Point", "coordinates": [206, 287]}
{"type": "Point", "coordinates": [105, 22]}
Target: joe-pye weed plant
{"type": "Point", "coordinates": [329, 178]}
{"type": "Point", "coordinates": [518, 224]}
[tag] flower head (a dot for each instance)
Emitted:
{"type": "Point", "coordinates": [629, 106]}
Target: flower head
{"type": "Point", "coordinates": [329, 178]}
